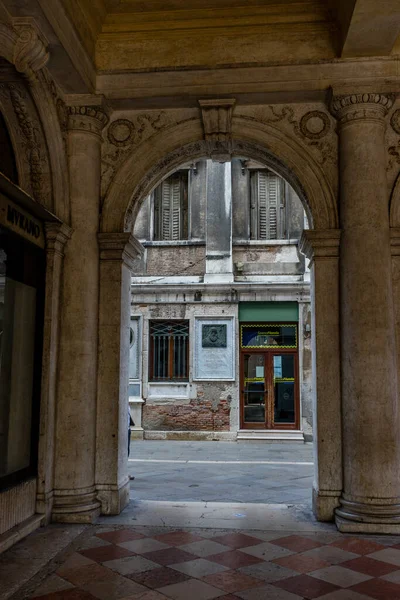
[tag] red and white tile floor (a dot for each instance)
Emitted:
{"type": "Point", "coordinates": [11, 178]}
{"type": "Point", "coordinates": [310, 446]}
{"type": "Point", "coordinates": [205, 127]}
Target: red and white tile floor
{"type": "Point", "coordinates": [128, 563]}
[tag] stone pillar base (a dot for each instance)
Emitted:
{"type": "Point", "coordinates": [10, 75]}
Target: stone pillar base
{"type": "Point", "coordinates": [324, 504]}
{"type": "Point", "coordinates": [75, 507]}
{"type": "Point", "coordinates": [374, 517]}
{"type": "Point", "coordinates": [113, 500]}
{"type": "Point", "coordinates": [44, 506]}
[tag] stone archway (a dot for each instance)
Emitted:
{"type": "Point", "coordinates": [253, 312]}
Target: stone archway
{"type": "Point", "coordinates": [143, 169]}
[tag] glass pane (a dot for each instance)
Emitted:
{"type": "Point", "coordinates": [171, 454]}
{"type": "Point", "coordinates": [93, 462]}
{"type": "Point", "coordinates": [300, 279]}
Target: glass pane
{"type": "Point", "coordinates": [268, 335]}
{"type": "Point", "coordinates": [254, 391]}
{"type": "Point", "coordinates": [17, 337]}
{"type": "Point", "coordinates": [284, 388]}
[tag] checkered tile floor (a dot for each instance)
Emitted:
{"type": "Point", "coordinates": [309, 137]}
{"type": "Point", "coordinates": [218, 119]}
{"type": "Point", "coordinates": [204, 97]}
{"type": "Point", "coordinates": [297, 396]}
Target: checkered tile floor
{"type": "Point", "coordinates": [129, 563]}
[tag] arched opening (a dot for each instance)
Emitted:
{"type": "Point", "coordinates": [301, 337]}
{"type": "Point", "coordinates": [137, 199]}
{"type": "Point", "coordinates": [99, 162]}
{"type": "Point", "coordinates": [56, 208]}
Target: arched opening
{"type": "Point", "coordinates": [220, 342]}
{"type": "Point", "coordinates": [148, 165]}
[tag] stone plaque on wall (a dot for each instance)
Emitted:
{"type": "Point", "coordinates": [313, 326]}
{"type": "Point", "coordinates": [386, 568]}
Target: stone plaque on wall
{"type": "Point", "coordinates": [214, 350]}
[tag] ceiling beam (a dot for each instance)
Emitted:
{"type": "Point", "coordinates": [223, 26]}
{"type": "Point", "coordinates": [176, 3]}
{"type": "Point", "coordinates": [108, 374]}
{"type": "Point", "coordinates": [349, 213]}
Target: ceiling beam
{"type": "Point", "coordinates": [367, 27]}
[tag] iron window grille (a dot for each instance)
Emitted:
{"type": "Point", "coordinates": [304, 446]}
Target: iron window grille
{"type": "Point", "coordinates": [169, 350]}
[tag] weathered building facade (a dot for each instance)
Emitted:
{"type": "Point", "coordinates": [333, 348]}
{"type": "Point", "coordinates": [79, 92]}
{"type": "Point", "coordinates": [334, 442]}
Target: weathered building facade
{"type": "Point", "coordinates": [221, 258]}
{"type": "Point", "coordinates": [102, 102]}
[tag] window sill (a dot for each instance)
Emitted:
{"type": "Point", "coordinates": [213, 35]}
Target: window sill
{"type": "Point", "coordinates": [170, 243]}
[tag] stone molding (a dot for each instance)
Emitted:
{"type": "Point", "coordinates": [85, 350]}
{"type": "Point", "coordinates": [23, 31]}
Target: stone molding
{"type": "Point", "coordinates": [352, 107]}
{"type": "Point", "coordinates": [57, 235]}
{"type": "Point", "coordinates": [87, 117]}
{"type": "Point", "coordinates": [122, 247]}
{"type": "Point", "coordinates": [320, 243]}
{"type": "Point", "coordinates": [395, 241]}
{"type": "Point", "coordinates": [217, 124]}
{"type": "Point", "coordinates": [30, 49]}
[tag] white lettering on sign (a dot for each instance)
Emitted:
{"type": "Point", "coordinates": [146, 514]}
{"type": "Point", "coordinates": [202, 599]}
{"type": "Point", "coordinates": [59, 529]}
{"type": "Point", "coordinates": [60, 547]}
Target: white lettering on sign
{"type": "Point", "coordinates": [17, 218]}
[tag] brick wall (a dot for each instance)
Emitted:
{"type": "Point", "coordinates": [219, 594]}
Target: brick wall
{"type": "Point", "coordinates": [197, 415]}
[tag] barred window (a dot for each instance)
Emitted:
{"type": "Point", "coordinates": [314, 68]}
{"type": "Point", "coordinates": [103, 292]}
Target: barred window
{"type": "Point", "coordinates": [169, 350]}
{"type": "Point", "coordinates": [170, 208]}
{"type": "Point", "coordinates": [267, 208]}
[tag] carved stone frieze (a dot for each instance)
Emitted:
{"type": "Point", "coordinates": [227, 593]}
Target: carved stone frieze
{"type": "Point", "coordinates": [30, 142]}
{"type": "Point", "coordinates": [122, 135]}
{"type": "Point", "coordinates": [125, 132]}
{"type": "Point", "coordinates": [314, 128]}
{"type": "Point", "coordinates": [217, 124]}
{"type": "Point", "coordinates": [30, 51]}
{"type": "Point", "coordinates": [361, 106]}
{"type": "Point", "coordinates": [87, 118]}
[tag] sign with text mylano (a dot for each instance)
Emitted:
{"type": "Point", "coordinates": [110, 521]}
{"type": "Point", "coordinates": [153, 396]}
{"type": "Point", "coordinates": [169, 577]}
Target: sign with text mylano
{"type": "Point", "coordinates": [20, 221]}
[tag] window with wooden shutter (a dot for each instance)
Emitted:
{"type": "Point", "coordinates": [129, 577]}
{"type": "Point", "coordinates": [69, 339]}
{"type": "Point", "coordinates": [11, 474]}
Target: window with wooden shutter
{"type": "Point", "coordinates": [267, 206]}
{"type": "Point", "coordinates": [170, 208]}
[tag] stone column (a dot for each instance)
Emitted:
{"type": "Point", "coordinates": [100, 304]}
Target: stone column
{"type": "Point", "coordinates": [371, 442]}
{"type": "Point", "coordinates": [57, 234]}
{"type": "Point", "coordinates": [219, 266]}
{"type": "Point", "coordinates": [395, 250]}
{"type": "Point", "coordinates": [117, 254]}
{"type": "Point", "coordinates": [322, 248]}
{"type": "Point", "coordinates": [75, 493]}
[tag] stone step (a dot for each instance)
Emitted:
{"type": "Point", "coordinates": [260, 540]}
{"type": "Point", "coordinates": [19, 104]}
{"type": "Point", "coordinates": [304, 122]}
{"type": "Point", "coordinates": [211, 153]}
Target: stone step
{"type": "Point", "coordinates": [270, 435]}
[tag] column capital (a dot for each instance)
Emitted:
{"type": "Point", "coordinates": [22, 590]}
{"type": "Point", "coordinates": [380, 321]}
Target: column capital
{"type": "Point", "coordinates": [320, 243]}
{"type": "Point", "coordinates": [87, 113]}
{"type": "Point", "coordinates": [352, 107]}
{"type": "Point", "coordinates": [123, 247]}
{"type": "Point", "coordinates": [57, 235]}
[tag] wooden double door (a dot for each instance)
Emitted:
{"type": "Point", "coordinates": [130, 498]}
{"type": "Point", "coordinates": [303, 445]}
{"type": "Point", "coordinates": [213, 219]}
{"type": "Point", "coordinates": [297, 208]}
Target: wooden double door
{"type": "Point", "coordinates": [269, 389]}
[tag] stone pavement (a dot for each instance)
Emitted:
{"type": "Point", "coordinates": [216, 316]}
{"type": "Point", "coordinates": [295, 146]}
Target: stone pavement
{"type": "Point", "coordinates": [255, 472]}
{"type": "Point", "coordinates": [153, 563]}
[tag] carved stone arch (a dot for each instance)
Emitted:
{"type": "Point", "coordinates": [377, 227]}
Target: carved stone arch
{"type": "Point", "coordinates": [31, 110]}
{"type": "Point", "coordinates": [162, 153]}
{"type": "Point", "coordinates": [394, 214]}
{"type": "Point", "coordinates": [28, 139]}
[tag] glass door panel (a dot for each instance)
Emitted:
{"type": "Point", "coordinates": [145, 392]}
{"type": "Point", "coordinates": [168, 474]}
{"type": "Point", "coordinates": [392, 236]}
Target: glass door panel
{"type": "Point", "coordinates": [254, 391]}
{"type": "Point", "coordinates": [284, 386]}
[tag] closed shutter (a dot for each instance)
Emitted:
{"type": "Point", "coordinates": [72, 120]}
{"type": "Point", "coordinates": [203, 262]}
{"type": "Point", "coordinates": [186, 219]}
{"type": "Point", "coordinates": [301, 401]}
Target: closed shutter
{"type": "Point", "coordinates": [267, 220]}
{"type": "Point", "coordinates": [168, 205]}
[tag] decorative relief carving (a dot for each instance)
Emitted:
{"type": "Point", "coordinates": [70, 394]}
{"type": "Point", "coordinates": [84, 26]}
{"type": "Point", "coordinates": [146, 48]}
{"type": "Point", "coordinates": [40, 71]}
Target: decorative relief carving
{"type": "Point", "coordinates": [30, 51]}
{"type": "Point", "coordinates": [314, 125]}
{"type": "Point", "coordinates": [395, 121]}
{"type": "Point", "coordinates": [123, 135]}
{"type": "Point", "coordinates": [122, 132]}
{"type": "Point", "coordinates": [313, 128]}
{"type": "Point", "coordinates": [217, 123]}
{"type": "Point", "coordinates": [213, 336]}
{"type": "Point", "coordinates": [361, 106]}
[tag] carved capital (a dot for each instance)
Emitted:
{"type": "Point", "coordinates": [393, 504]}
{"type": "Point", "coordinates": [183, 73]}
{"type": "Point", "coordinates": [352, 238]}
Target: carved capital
{"type": "Point", "coordinates": [351, 107]}
{"type": "Point", "coordinates": [30, 49]}
{"type": "Point", "coordinates": [87, 113]}
{"type": "Point", "coordinates": [217, 125]}
{"type": "Point", "coordinates": [57, 235]}
{"type": "Point", "coordinates": [320, 243]}
{"type": "Point", "coordinates": [120, 247]}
